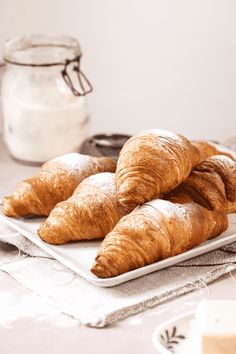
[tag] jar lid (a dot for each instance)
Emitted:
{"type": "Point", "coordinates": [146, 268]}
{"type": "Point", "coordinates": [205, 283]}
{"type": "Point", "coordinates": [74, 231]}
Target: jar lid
{"type": "Point", "coordinates": [41, 50]}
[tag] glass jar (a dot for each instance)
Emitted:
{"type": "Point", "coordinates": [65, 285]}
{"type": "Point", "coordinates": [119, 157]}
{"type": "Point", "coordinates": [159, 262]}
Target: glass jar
{"type": "Point", "coordinates": [43, 89]}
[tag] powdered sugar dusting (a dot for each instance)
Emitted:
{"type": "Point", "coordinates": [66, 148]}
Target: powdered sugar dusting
{"type": "Point", "coordinates": [167, 208]}
{"type": "Point", "coordinates": [73, 160]}
{"type": "Point", "coordinates": [162, 133]}
{"type": "Point", "coordinates": [105, 181]}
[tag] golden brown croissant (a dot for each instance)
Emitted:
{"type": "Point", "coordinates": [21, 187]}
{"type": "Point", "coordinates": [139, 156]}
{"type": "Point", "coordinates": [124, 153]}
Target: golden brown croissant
{"type": "Point", "coordinates": [154, 231]}
{"type": "Point", "coordinates": [91, 212]}
{"type": "Point", "coordinates": [55, 182]}
{"type": "Point", "coordinates": [207, 149]}
{"type": "Point", "coordinates": [154, 162]}
{"type": "Point", "coordinates": [211, 184]}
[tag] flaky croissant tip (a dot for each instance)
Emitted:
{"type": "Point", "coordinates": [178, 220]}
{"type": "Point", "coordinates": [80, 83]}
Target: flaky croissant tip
{"type": "Point", "coordinates": [46, 236]}
{"type": "Point", "coordinates": [108, 164]}
{"type": "Point", "coordinates": [98, 269]}
{"type": "Point", "coordinates": [126, 202]}
{"type": "Point", "coordinates": [8, 208]}
{"type": "Point", "coordinates": [139, 192]}
{"type": "Point", "coordinates": [101, 269]}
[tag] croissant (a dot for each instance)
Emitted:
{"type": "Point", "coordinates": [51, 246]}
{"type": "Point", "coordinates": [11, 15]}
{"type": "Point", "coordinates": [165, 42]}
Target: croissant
{"type": "Point", "coordinates": [154, 162]}
{"type": "Point", "coordinates": [56, 181]}
{"type": "Point", "coordinates": [207, 149]}
{"type": "Point", "coordinates": [211, 184]}
{"type": "Point", "coordinates": [155, 231]}
{"type": "Point", "coordinates": [91, 212]}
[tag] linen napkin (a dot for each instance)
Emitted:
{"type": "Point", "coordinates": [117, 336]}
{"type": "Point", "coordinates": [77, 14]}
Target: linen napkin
{"type": "Point", "coordinates": [99, 307]}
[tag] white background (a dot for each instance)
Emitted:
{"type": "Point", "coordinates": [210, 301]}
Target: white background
{"type": "Point", "coordinates": [165, 64]}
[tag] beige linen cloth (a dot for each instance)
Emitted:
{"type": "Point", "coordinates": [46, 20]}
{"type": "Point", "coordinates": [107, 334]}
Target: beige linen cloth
{"type": "Point", "coordinates": [99, 307]}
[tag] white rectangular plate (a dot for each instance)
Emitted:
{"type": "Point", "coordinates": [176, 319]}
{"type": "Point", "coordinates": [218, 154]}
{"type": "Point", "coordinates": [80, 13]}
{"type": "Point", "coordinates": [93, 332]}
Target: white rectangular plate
{"type": "Point", "coordinates": [79, 256]}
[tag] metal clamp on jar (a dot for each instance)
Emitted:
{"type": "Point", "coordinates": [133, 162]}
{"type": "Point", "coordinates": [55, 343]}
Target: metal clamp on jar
{"type": "Point", "coordinates": [43, 101]}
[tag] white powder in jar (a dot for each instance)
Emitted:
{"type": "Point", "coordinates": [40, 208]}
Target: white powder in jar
{"type": "Point", "coordinates": [42, 118]}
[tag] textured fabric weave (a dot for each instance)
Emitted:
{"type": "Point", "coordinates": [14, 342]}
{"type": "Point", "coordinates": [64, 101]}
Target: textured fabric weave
{"type": "Point", "coordinates": [99, 307]}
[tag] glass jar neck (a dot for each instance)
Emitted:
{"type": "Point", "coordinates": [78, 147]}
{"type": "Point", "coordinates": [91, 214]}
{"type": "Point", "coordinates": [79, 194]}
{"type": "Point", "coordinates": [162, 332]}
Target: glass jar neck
{"type": "Point", "coordinates": [40, 50]}
{"type": "Point", "coordinates": [49, 51]}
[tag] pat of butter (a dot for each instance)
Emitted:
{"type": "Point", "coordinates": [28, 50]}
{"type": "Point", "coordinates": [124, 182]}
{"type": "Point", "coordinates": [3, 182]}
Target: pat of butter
{"type": "Point", "coordinates": [216, 326]}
